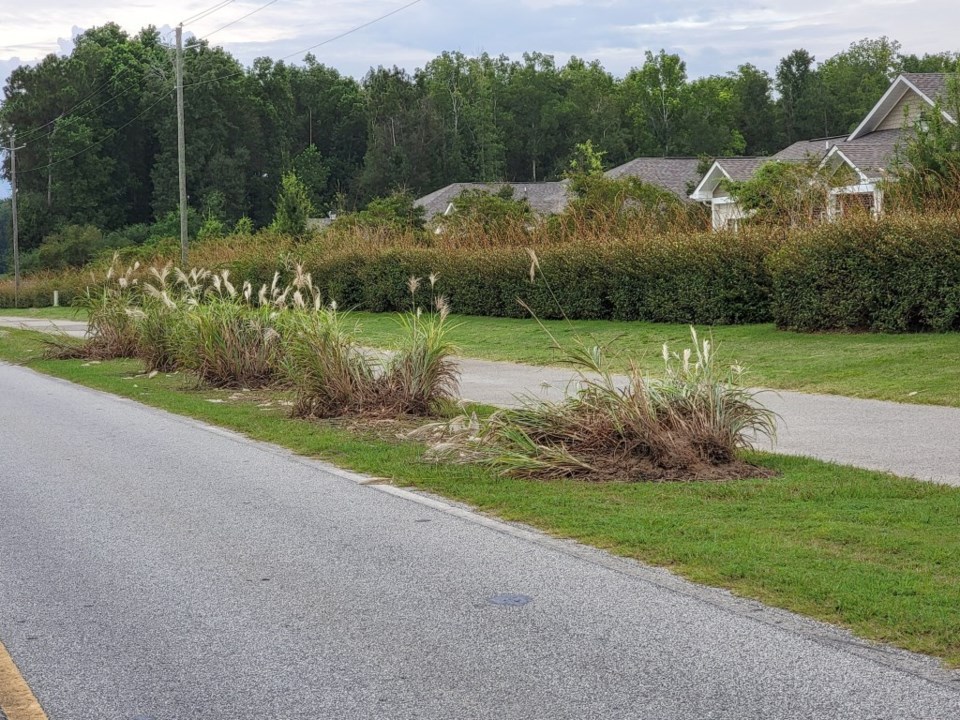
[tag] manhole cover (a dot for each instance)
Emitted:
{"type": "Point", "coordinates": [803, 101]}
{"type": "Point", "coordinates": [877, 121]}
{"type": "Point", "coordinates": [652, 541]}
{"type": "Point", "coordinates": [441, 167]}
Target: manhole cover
{"type": "Point", "coordinates": [510, 599]}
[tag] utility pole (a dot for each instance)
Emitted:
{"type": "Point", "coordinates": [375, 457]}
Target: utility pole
{"type": "Point", "coordinates": [16, 227]}
{"type": "Point", "coordinates": [181, 150]}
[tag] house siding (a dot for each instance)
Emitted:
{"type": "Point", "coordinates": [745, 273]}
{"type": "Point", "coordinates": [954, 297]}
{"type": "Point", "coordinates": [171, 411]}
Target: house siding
{"type": "Point", "coordinates": [909, 108]}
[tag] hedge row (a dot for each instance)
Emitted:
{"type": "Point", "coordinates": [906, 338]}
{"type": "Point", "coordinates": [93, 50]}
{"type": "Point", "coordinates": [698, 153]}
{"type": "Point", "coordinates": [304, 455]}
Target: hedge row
{"type": "Point", "coordinates": [898, 274]}
{"type": "Point", "coordinates": [707, 279]}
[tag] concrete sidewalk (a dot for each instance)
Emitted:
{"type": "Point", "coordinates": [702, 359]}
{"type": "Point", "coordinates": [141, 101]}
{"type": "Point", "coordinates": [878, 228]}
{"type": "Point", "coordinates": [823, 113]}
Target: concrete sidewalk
{"type": "Point", "coordinates": [920, 441]}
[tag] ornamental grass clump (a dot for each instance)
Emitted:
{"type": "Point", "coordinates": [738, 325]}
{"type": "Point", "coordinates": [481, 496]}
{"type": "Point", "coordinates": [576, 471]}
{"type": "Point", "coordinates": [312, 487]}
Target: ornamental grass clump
{"type": "Point", "coordinates": [229, 341]}
{"type": "Point", "coordinates": [326, 367]}
{"type": "Point", "coordinates": [690, 424]}
{"type": "Point", "coordinates": [159, 318]}
{"type": "Point", "coordinates": [334, 376]}
{"type": "Point", "coordinates": [112, 327]}
{"type": "Point", "coordinates": [422, 374]}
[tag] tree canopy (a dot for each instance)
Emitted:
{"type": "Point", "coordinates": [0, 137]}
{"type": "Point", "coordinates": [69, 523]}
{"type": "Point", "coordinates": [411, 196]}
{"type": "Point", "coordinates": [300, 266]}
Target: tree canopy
{"type": "Point", "coordinates": [100, 127]}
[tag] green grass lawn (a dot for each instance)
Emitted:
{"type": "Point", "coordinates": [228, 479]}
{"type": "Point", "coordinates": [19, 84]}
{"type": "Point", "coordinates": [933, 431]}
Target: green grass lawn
{"type": "Point", "coordinates": [921, 368]}
{"type": "Point", "coordinates": [50, 313]}
{"type": "Point", "coordinates": [876, 553]}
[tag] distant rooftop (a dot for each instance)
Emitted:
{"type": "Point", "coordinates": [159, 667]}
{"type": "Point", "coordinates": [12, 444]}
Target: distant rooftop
{"type": "Point", "coordinates": [544, 198]}
{"type": "Point", "coordinates": [671, 173]}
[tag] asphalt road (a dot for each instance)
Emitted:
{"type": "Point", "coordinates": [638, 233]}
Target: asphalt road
{"type": "Point", "coordinates": [152, 567]}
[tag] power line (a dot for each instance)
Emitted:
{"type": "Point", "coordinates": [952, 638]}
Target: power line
{"type": "Point", "coordinates": [29, 134]}
{"type": "Point", "coordinates": [351, 31]}
{"type": "Point", "coordinates": [208, 11]}
{"type": "Point", "coordinates": [239, 19]}
{"type": "Point", "coordinates": [99, 142]}
{"type": "Point", "coordinates": [329, 40]}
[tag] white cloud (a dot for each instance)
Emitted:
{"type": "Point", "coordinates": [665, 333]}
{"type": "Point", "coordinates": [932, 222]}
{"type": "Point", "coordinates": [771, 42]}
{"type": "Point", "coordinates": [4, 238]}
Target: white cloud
{"type": "Point", "coordinates": [712, 37]}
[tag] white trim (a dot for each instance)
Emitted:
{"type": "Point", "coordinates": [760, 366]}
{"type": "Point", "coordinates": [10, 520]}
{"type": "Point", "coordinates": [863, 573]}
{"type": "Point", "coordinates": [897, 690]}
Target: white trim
{"type": "Point", "coordinates": [881, 103]}
{"type": "Point", "coordinates": [871, 121]}
{"type": "Point", "coordinates": [861, 189]}
{"type": "Point", "coordinates": [835, 151]}
{"type": "Point", "coordinates": [699, 193]}
{"type": "Point", "coordinates": [867, 188]}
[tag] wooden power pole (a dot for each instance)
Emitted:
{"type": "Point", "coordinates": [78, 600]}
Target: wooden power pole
{"type": "Point", "coordinates": [181, 150]}
{"type": "Point", "coordinates": [16, 227]}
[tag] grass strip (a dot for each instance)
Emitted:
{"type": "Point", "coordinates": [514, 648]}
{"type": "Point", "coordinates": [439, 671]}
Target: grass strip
{"type": "Point", "coordinates": [873, 552]}
{"type": "Point", "coordinates": [46, 313]}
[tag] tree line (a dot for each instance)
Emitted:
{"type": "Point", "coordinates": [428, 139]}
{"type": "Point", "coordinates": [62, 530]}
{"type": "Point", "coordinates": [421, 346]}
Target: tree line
{"type": "Point", "coordinates": [100, 127]}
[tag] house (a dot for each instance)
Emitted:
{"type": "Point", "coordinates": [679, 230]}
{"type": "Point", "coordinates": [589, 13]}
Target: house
{"type": "Point", "coordinates": [676, 174]}
{"type": "Point", "coordinates": [544, 198]}
{"type": "Point", "coordinates": [552, 198]}
{"type": "Point", "coordinates": [868, 153]}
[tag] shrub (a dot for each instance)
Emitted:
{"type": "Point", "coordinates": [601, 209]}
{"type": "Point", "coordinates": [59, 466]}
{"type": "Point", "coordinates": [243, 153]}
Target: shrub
{"type": "Point", "coordinates": [397, 213]}
{"type": "Point", "coordinates": [711, 278]}
{"type": "Point", "coordinates": [480, 213]}
{"type": "Point", "coordinates": [786, 193]}
{"type": "Point", "coordinates": [928, 163]}
{"type": "Point", "coordinates": [688, 425]}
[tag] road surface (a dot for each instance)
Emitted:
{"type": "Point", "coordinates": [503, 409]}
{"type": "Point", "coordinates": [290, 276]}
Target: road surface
{"type": "Point", "coordinates": [155, 568]}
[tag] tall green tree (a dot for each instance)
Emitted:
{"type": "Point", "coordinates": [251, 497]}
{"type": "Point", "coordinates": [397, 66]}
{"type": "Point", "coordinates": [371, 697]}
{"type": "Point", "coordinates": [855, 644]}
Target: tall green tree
{"type": "Point", "coordinates": [754, 110]}
{"type": "Point", "coordinates": [654, 97]}
{"type": "Point", "coordinates": [797, 86]}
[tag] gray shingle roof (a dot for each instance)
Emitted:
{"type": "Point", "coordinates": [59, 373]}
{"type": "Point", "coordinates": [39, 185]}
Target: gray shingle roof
{"type": "Point", "coordinates": [741, 168]}
{"type": "Point", "coordinates": [872, 153]}
{"type": "Point", "coordinates": [806, 149]}
{"type": "Point", "coordinates": [933, 85]}
{"type": "Point", "coordinates": [670, 173]}
{"type": "Point", "coordinates": [545, 198]}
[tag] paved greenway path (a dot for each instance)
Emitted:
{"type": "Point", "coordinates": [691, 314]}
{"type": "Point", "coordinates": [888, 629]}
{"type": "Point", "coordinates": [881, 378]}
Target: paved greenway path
{"type": "Point", "coordinates": [73, 328]}
{"type": "Point", "coordinates": [921, 441]}
{"type": "Point", "coordinates": [153, 567]}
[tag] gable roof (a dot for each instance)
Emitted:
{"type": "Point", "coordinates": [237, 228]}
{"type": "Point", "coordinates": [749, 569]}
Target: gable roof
{"type": "Point", "coordinates": [544, 198]}
{"type": "Point", "coordinates": [735, 168]}
{"type": "Point", "coordinates": [933, 86]}
{"type": "Point", "coordinates": [930, 87]}
{"type": "Point", "coordinates": [671, 173]}
{"type": "Point", "coordinates": [871, 155]}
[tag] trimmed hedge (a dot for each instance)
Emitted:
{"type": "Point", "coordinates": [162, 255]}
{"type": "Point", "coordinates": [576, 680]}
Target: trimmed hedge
{"type": "Point", "coordinates": [713, 279]}
{"type": "Point", "coordinates": [37, 290]}
{"type": "Point", "coordinates": [900, 274]}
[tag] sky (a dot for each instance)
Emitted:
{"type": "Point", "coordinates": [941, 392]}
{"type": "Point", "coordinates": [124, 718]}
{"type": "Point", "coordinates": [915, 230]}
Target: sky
{"type": "Point", "coordinates": [711, 37]}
